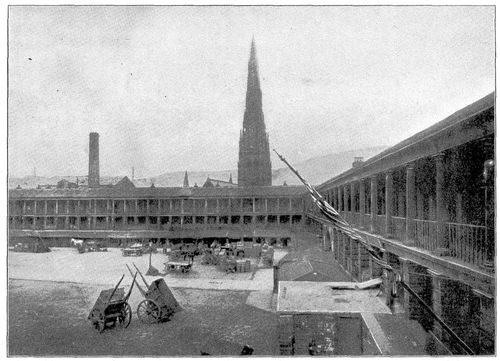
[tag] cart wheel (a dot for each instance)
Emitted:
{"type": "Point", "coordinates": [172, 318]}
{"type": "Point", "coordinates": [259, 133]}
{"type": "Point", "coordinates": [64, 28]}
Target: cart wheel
{"type": "Point", "coordinates": [100, 325]}
{"type": "Point", "coordinates": [148, 312]}
{"type": "Point", "coordinates": [126, 315]}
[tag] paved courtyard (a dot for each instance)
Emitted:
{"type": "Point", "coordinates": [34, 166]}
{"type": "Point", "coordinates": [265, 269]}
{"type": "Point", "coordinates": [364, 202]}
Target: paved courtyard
{"type": "Point", "coordinates": [51, 294]}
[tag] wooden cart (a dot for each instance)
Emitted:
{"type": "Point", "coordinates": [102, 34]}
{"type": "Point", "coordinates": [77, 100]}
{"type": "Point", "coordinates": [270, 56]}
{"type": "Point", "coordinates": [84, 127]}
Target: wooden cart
{"type": "Point", "coordinates": [173, 266]}
{"type": "Point", "coordinates": [159, 303]}
{"type": "Point", "coordinates": [134, 250]}
{"type": "Point", "coordinates": [111, 307]}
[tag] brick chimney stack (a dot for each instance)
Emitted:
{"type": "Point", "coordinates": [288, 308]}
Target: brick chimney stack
{"type": "Point", "coordinates": [94, 160]}
{"type": "Point", "coordinates": [357, 162]}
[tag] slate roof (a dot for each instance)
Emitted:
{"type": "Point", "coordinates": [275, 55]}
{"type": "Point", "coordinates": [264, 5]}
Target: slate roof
{"type": "Point", "coordinates": [297, 265]}
{"type": "Point", "coordinates": [214, 182]}
{"type": "Point", "coordinates": [161, 192]}
{"type": "Point", "coordinates": [124, 184]}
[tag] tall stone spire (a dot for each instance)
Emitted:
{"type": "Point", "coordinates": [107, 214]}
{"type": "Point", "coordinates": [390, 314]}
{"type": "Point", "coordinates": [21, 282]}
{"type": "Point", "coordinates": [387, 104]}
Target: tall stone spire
{"type": "Point", "coordinates": [186, 180]}
{"type": "Point", "coordinates": [254, 165]}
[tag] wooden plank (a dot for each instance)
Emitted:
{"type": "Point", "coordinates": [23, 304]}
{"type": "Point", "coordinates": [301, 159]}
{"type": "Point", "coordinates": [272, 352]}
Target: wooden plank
{"type": "Point", "coordinates": [369, 284]}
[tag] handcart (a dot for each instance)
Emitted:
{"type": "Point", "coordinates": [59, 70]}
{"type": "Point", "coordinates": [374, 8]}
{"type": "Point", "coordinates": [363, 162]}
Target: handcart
{"type": "Point", "coordinates": [159, 304]}
{"type": "Point", "coordinates": [183, 267]}
{"type": "Point", "coordinates": [112, 307]}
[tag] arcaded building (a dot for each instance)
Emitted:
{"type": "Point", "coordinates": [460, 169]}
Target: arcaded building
{"type": "Point", "coordinates": [427, 204]}
{"type": "Point", "coordinates": [251, 210]}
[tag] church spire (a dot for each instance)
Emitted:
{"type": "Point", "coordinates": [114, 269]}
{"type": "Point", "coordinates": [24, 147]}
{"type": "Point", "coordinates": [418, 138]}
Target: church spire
{"type": "Point", "coordinates": [186, 180]}
{"type": "Point", "coordinates": [254, 94]}
{"type": "Point", "coordinates": [254, 165]}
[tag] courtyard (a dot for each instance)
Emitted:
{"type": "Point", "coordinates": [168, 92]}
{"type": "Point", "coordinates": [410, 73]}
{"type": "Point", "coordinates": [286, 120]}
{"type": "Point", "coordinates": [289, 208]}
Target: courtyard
{"type": "Point", "coordinates": [51, 294]}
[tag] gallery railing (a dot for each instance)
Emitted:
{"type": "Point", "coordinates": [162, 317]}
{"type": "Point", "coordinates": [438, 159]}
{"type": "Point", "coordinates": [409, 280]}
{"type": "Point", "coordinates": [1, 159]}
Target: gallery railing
{"type": "Point", "coordinates": [398, 228]}
{"type": "Point", "coordinates": [425, 234]}
{"type": "Point", "coordinates": [468, 242]}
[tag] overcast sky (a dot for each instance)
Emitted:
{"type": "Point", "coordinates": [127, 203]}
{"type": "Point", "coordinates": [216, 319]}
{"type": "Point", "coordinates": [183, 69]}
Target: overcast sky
{"type": "Point", "coordinates": [165, 86]}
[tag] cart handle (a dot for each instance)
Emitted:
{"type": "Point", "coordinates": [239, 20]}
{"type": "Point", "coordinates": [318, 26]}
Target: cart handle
{"type": "Point", "coordinates": [114, 290]}
{"type": "Point", "coordinates": [140, 274]}
{"type": "Point", "coordinates": [141, 290]}
{"type": "Point", "coordinates": [130, 290]}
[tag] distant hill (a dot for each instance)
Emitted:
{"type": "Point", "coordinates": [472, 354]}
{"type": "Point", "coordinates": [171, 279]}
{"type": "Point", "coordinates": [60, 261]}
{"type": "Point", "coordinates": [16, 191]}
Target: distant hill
{"type": "Point", "coordinates": [316, 170]}
{"type": "Point", "coordinates": [319, 169]}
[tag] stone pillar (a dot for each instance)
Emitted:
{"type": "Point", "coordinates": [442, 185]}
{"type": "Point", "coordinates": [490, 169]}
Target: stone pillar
{"type": "Point", "coordinates": [340, 199]}
{"type": "Point", "coordinates": [373, 203]}
{"type": "Point", "coordinates": [459, 207]}
{"type": "Point", "coordinates": [343, 244]}
{"type": "Point", "coordinates": [44, 213]}
{"type": "Point", "coordinates": [78, 215]}
{"type": "Point", "coordinates": [388, 278]}
{"type": "Point", "coordinates": [405, 274]}
{"type": "Point", "coordinates": [112, 203]}
{"type": "Point", "coordinates": [432, 208]}
{"type": "Point", "coordinates": [361, 203]}
{"type": "Point", "coordinates": [332, 240]}
{"type": "Point", "coordinates": [436, 301]}
{"type": "Point", "coordinates": [401, 204]}
{"type": "Point", "coordinates": [346, 201]}
{"type": "Point", "coordinates": [419, 214]}
{"type": "Point", "coordinates": [34, 207]}
{"type": "Point", "coordinates": [360, 268]}
{"type": "Point", "coordinates": [389, 192]}
{"type": "Point", "coordinates": [57, 207]}
{"type": "Point", "coordinates": [410, 202]}
{"type": "Point", "coordinates": [350, 244]}
{"type": "Point", "coordinates": [353, 203]}
{"type": "Point", "coordinates": [441, 210]}
{"type": "Point", "coordinates": [339, 240]}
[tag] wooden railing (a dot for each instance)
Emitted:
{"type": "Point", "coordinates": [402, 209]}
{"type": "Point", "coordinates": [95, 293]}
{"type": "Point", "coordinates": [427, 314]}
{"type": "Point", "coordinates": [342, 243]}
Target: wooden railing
{"type": "Point", "coordinates": [425, 234]}
{"type": "Point", "coordinates": [379, 224]}
{"type": "Point", "coordinates": [366, 221]}
{"type": "Point", "coordinates": [398, 228]}
{"type": "Point", "coordinates": [468, 242]}
{"type": "Point", "coordinates": [356, 220]}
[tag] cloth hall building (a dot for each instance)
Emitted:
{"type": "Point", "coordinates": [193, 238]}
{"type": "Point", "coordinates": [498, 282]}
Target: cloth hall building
{"type": "Point", "coordinates": [427, 204]}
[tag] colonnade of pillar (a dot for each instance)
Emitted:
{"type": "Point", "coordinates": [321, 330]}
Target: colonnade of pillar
{"type": "Point", "coordinates": [375, 209]}
{"type": "Point", "coordinates": [469, 312]}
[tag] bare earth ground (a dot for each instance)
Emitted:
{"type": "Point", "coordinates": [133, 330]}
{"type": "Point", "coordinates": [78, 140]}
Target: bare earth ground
{"type": "Point", "coordinates": [50, 296]}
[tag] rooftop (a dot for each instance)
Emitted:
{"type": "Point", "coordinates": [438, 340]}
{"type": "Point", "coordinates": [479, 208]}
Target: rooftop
{"type": "Point", "coordinates": [328, 297]}
{"type": "Point", "coordinates": [159, 192]}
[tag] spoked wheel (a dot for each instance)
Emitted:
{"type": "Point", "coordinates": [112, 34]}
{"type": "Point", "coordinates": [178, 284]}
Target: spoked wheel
{"type": "Point", "coordinates": [148, 312]}
{"type": "Point", "coordinates": [100, 324]}
{"type": "Point", "coordinates": [126, 316]}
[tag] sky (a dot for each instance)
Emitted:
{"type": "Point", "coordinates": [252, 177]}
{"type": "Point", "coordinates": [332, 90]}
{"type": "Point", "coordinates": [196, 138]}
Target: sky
{"type": "Point", "coordinates": [165, 86]}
